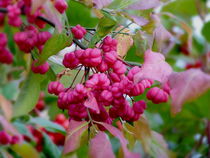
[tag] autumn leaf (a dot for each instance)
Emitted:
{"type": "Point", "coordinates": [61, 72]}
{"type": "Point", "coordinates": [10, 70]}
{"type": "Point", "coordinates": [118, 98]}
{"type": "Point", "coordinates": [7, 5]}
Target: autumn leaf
{"type": "Point", "coordinates": [100, 146]}
{"type": "Point", "coordinates": [187, 86]}
{"type": "Point", "coordinates": [152, 142]}
{"type": "Point", "coordinates": [118, 134]}
{"type": "Point", "coordinates": [124, 41]}
{"type": "Point", "coordinates": [92, 103]}
{"type": "Point", "coordinates": [155, 67]}
{"type": "Point", "coordinates": [74, 133]}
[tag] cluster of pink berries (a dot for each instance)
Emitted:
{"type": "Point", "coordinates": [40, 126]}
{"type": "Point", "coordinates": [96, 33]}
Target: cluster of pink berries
{"type": "Point", "coordinates": [108, 93]}
{"type": "Point", "coordinates": [28, 40]}
{"type": "Point", "coordinates": [31, 38]}
{"type": "Point", "coordinates": [6, 139]}
{"type": "Point", "coordinates": [24, 6]}
{"type": "Point", "coordinates": [6, 56]}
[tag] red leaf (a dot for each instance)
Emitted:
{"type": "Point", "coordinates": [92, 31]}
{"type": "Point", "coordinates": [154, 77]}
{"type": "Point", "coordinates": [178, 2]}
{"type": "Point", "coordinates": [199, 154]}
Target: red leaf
{"type": "Point", "coordinates": [187, 86]}
{"type": "Point", "coordinates": [75, 131]}
{"type": "Point", "coordinates": [154, 68]}
{"type": "Point", "coordinates": [92, 103]}
{"type": "Point", "coordinates": [99, 4]}
{"type": "Point", "coordinates": [117, 133]}
{"type": "Point", "coordinates": [101, 147]}
{"type": "Point", "coordinates": [144, 4]}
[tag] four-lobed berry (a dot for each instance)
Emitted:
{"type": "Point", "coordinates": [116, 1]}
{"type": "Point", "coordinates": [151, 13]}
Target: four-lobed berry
{"type": "Point", "coordinates": [40, 69]}
{"type": "Point", "coordinates": [78, 31]}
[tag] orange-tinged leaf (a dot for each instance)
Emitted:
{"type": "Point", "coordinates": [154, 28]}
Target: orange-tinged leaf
{"type": "Point", "coordinates": [124, 42]}
{"type": "Point", "coordinates": [153, 143]}
{"type": "Point", "coordinates": [6, 107]}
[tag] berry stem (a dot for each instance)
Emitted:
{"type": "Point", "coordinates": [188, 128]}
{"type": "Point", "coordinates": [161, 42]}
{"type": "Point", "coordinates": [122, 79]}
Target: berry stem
{"type": "Point", "coordinates": [76, 76]}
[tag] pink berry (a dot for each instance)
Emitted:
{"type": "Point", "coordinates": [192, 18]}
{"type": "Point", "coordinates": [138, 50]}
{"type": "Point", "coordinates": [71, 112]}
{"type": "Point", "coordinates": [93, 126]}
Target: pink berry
{"type": "Point", "coordinates": [6, 57]}
{"type": "Point", "coordinates": [70, 60]}
{"type": "Point", "coordinates": [5, 138]}
{"type": "Point", "coordinates": [109, 44]}
{"type": "Point", "coordinates": [103, 66]}
{"type": "Point", "coordinates": [157, 95]}
{"type": "Point", "coordinates": [3, 40]}
{"type": "Point", "coordinates": [41, 69]}
{"type": "Point", "coordinates": [119, 67]}
{"type": "Point", "coordinates": [137, 89]}
{"type": "Point", "coordinates": [61, 5]}
{"type": "Point", "coordinates": [78, 31]}
{"type": "Point", "coordinates": [42, 37]}
{"type": "Point", "coordinates": [13, 15]}
{"type": "Point", "coordinates": [79, 54]}
{"type": "Point", "coordinates": [106, 95]}
{"type": "Point", "coordinates": [63, 100]}
{"type": "Point", "coordinates": [15, 140]}
{"type": "Point", "coordinates": [55, 87]}
{"type": "Point", "coordinates": [109, 58]}
{"type": "Point", "coordinates": [166, 87]}
{"type": "Point", "coordinates": [132, 72]}
{"type": "Point", "coordinates": [139, 107]}
{"type": "Point", "coordinates": [147, 83]}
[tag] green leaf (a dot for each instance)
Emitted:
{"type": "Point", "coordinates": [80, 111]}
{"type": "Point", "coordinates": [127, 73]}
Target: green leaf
{"type": "Point", "coordinates": [6, 90]}
{"type": "Point", "coordinates": [75, 14]}
{"type": "Point", "coordinates": [56, 43]}
{"type": "Point", "coordinates": [105, 26]}
{"type": "Point", "coordinates": [23, 129]}
{"type": "Point", "coordinates": [50, 126]}
{"type": "Point", "coordinates": [121, 4]}
{"type": "Point", "coordinates": [51, 74]}
{"type": "Point", "coordinates": [182, 8]}
{"type": "Point", "coordinates": [28, 95]}
{"type": "Point", "coordinates": [206, 31]}
{"type": "Point", "coordinates": [200, 107]}
{"type": "Point", "coordinates": [49, 148]}
{"type": "Point", "coordinates": [24, 150]}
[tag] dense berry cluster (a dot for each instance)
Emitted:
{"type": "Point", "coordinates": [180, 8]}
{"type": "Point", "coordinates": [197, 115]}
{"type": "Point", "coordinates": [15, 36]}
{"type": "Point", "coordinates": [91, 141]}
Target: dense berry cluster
{"type": "Point", "coordinates": [107, 93]}
{"type": "Point", "coordinates": [6, 56]}
{"type": "Point", "coordinates": [25, 7]}
{"type": "Point", "coordinates": [6, 139]}
{"type": "Point", "coordinates": [28, 40]}
{"type": "Point", "coordinates": [31, 38]}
